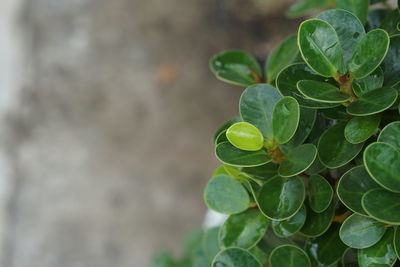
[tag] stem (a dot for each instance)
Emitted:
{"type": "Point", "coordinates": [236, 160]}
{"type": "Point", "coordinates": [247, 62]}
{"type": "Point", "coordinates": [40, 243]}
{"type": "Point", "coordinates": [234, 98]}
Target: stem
{"type": "Point", "coordinates": [256, 77]}
{"type": "Point", "coordinates": [346, 81]}
{"type": "Point", "coordinates": [276, 155]}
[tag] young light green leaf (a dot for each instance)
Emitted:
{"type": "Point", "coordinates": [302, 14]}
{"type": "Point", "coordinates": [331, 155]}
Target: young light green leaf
{"type": "Point", "coordinates": [245, 136]}
{"type": "Point", "coordinates": [289, 256]}
{"type": "Point", "coordinates": [391, 64]}
{"type": "Point", "coordinates": [290, 226]}
{"type": "Point", "coordinates": [320, 48]}
{"type": "Point", "coordinates": [382, 205]}
{"type": "Point", "coordinates": [281, 198]}
{"type": "Point", "coordinates": [297, 160]}
{"type": "Point", "coordinates": [361, 232]}
{"type": "Point", "coordinates": [256, 105]}
{"type": "Point", "coordinates": [281, 56]}
{"type": "Point", "coordinates": [235, 257]}
{"type": "Point", "coordinates": [382, 162]}
{"type": "Point", "coordinates": [233, 156]}
{"type": "Point", "coordinates": [243, 230]}
{"type": "Point", "coordinates": [322, 92]}
{"type": "Point", "coordinates": [285, 119]}
{"type": "Point", "coordinates": [369, 53]}
{"type": "Point", "coordinates": [320, 193]}
{"type": "Point", "coordinates": [318, 223]}
{"type": "Point", "coordinates": [225, 127]}
{"type": "Point", "coordinates": [236, 67]}
{"type": "Point", "coordinates": [359, 129]}
{"type": "Point", "coordinates": [391, 134]}
{"type": "Point", "coordinates": [357, 7]}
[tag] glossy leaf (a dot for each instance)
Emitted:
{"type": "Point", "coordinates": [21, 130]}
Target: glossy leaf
{"type": "Point", "coordinates": [256, 105]}
{"type": "Point", "coordinates": [369, 83]}
{"type": "Point", "coordinates": [285, 119]}
{"type": "Point", "coordinates": [391, 64]}
{"type": "Point", "coordinates": [289, 256]}
{"type": "Point", "coordinates": [382, 205]}
{"type": "Point", "coordinates": [361, 232]}
{"type": "Point", "coordinates": [380, 254]}
{"type": "Point", "coordinates": [382, 162]}
{"type": "Point", "coordinates": [235, 257]}
{"type": "Point", "coordinates": [391, 134]}
{"type": "Point", "coordinates": [226, 195]}
{"type": "Point", "coordinates": [334, 150]}
{"type": "Point", "coordinates": [357, 7]}
{"type": "Point", "coordinates": [290, 226]}
{"type": "Point", "coordinates": [318, 223]}
{"type": "Point", "coordinates": [326, 249]}
{"type": "Point", "coordinates": [396, 242]}
{"type": "Point", "coordinates": [245, 136]}
{"type": "Point", "coordinates": [297, 160]}
{"type": "Point", "coordinates": [369, 53]}
{"type": "Point", "coordinates": [359, 129]}
{"type": "Point", "coordinates": [373, 102]}
{"type": "Point", "coordinates": [306, 124]}
{"type": "Point", "coordinates": [281, 198]}
{"type": "Point", "coordinates": [348, 28]}
{"type": "Point", "coordinates": [221, 138]}
{"type": "Point", "coordinates": [281, 56]}
{"type": "Point", "coordinates": [320, 48]}
{"type": "Point", "coordinates": [231, 155]}
{"type": "Point", "coordinates": [225, 127]}
{"type": "Point", "coordinates": [322, 92]}
{"type": "Point", "coordinates": [236, 67]}
{"type": "Point", "coordinates": [336, 113]}
{"type": "Point", "coordinates": [352, 186]}
{"type": "Point", "coordinates": [263, 172]}
{"type": "Point", "coordinates": [320, 193]}
{"type": "Point", "coordinates": [243, 230]}
{"type": "Point", "coordinates": [287, 84]}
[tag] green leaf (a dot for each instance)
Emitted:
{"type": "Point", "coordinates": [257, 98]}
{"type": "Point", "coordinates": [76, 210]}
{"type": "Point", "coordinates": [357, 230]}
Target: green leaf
{"type": "Point", "coordinates": [245, 136]}
{"type": "Point", "coordinates": [211, 243]}
{"type": "Point", "coordinates": [297, 160]}
{"type": "Point", "coordinates": [225, 127]}
{"type": "Point", "coordinates": [396, 241]}
{"type": "Point", "coordinates": [369, 53]}
{"type": "Point", "coordinates": [281, 56]}
{"type": "Point", "coordinates": [375, 18]}
{"type": "Point", "coordinates": [391, 64]}
{"type": "Point", "coordinates": [390, 22]}
{"type": "Point", "coordinates": [322, 92]}
{"type": "Point", "coordinates": [334, 150]}
{"type": "Point", "coordinates": [226, 195]}
{"type": "Point", "coordinates": [260, 255]}
{"type": "Point", "coordinates": [352, 186]}
{"type": "Point", "coordinates": [285, 119]}
{"type": "Point", "coordinates": [320, 193]}
{"type": "Point", "coordinates": [316, 167]}
{"type": "Point", "coordinates": [369, 83]}
{"type": "Point", "coordinates": [336, 113]}
{"type": "Point", "coordinates": [306, 124]}
{"type": "Point", "coordinates": [382, 205]}
{"type": "Point", "coordinates": [349, 258]}
{"type": "Point", "coordinates": [361, 232]}
{"type": "Point", "coordinates": [318, 223]}
{"type": "Point", "coordinates": [256, 105]}
{"type": "Point", "coordinates": [290, 226]}
{"type": "Point", "coordinates": [357, 7]}
{"type": "Point", "coordinates": [348, 28]}
{"type": "Point", "coordinates": [304, 7]}
{"type": "Point", "coordinates": [221, 138]}
{"type": "Point", "coordinates": [231, 155]}
{"type": "Point", "coordinates": [326, 249]}
{"type": "Point", "coordinates": [235, 257]}
{"type": "Point", "coordinates": [373, 102]}
{"type": "Point", "coordinates": [243, 230]}
{"type": "Point", "coordinates": [382, 162]}
{"type": "Point", "coordinates": [281, 198]}
{"type": "Point", "coordinates": [288, 78]}
{"type": "Point", "coordinates": [236, 67]}
{"type": "Point", "coordinates": [359, 129]}
{"type": "Point", "coordinates": [289, 256]}
{"type": "Point", "coordinates": [391, 134]}
{"type": "Point", "coordinates": [263, 172]}
{"type": "Point", "coordinates": [380, 254]}
{"type": "Point", "coordinates": [320, 48]}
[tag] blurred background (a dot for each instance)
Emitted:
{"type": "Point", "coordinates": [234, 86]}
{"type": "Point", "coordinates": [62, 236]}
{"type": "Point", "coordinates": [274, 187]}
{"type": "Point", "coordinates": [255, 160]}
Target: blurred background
{"type": "Point", "coordinates": [107, 111]}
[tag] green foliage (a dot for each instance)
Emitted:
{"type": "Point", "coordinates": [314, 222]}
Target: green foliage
{"type": "Point", "coordinates": [310, 172]}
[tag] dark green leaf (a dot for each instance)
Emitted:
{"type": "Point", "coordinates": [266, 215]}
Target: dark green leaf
{"type": "Point", "coordinates": [245, 136]}
{"type": "Point", "coordinates": [349, 258]}
{"type": "Point", "coordinates": [369, 83]}
{"type": "Point", "coordinates": [369, 53]}
{"type": "Point", "coordinates": [334, 150]}
{"type": "Point", "coordinates": [243, 230]}
{"type": "Point", "coordinates": [357, 7]}
{"type": "Point", "coordinates": [320, 48]}
{"type": "Point", "coordinates": [373, 102]}
{"type": "Point", "coordinates": [318, 223]}
{"type": "Point", "coordinates": [361, 232]}
{"type": "Point", "coordinates": [236, 67]}
{"type": "Point", "coordinates": [352, 186]}
{"type": "Point", "coordinates": [285, 119]}
{"type": "Point", "coordinates": [320, 193]}
{"type": "Point", "coordinates": [304, 7]}
{"type": "Point", "coordinates": [375, 18]}
{"type": "Point", "coordinates": [359, 129]}
{"type": "Point", "coordinates": [382, 205]}
{"type": "Point", "coordinates": [231, 155]}
{"type": "Point", "coordinates": [281, 198]}
{"type": "Point", "coordinates": [322, 92]}
{"type": "Point", "coordinates": [221, 138]}
{"type": "Point", "coordinates": [382, 162]}
{"type": "Point", "coordinates": [389, 24]}
{"type": "Point", "coordinates": [391, 134]}
{"type": "Point", "coordinates": [290, 226]}
{"type": "Point", "coordinates": [396, 242]}
{"type": "Point", "coordinates": [263, 172]}
{"type": "Point", "coordinates": [281, 56]}
{"type": "Point", "coordinates": [235, 257]}
{"type": "Point", "coordinates": [288, 256]}
{"type": "Point", "coordinates": [316, 167]}
{"type": "Point", "coordinates": [226, 195]}
{"type": "Point", "coordinates": [336, 113]}
{"type": "Point", "coordinates": [306, 124]}
{"type": "Point", "coordinates": [298, 160]}
{"type": "Point", "coordinates": [391, 64]}
{"type": "Point", "coordinates": [256, 105]}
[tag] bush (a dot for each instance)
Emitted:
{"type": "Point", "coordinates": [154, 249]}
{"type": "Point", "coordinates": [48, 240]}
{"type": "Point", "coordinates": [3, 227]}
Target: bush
{"type": "Point", "coordinates": [311, 167]}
